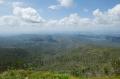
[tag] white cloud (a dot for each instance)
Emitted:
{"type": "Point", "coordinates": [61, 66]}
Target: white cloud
{"type": "Point", "coordinates": [54, 7]}
{"type": "Point", "coordinates": [18, 4]}
{"type": "Point", "coordinates": [74, 20]}
{"type": "Point", "coordinates": [115, 10]}
{"type": "Point", "coordinates": [102, 21]}
{"type": "Point", "coordinates": [27, 13]}
{"type": "Point", "coordinates": [9, 21]}
{"type": "Point", "coordinates": [112, 16]}
{"type": "Point", "coordinates": [97, 13]}
{"type": "Point", "coordinates": [66, 3]}
{"type": "Point", "coordinates": [62, 3]}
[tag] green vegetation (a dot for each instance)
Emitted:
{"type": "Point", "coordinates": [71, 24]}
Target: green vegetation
{"type": "Point", "coordinates": [62, 56]}
{"type": "Point", "coordinates": [21, 74]}
{"type": "Point", "coordinates": [81, 61]}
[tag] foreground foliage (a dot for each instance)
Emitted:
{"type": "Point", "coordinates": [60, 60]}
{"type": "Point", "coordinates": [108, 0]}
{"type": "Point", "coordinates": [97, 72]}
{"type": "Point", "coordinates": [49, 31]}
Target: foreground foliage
{"type": "Point", "coordinates": [25, 74]}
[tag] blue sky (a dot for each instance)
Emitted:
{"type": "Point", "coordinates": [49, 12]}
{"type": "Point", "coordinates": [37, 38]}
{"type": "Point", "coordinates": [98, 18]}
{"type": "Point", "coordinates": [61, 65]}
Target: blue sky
{"type": "Point", "coordinates": [62, 15]}
{"type": "Point", "coordinates": [79, 6]}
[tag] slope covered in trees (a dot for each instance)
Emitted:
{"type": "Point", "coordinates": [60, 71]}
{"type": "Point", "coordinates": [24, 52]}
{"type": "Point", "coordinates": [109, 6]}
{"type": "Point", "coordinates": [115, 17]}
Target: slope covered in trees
{"type": "Point", "coordinates": [85, 60]}
{"type": "Point", "coordinates": [71, 54]}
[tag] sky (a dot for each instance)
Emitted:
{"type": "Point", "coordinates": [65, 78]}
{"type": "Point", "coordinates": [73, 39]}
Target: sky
{"type": "Point", "coordinates": [32, 16]}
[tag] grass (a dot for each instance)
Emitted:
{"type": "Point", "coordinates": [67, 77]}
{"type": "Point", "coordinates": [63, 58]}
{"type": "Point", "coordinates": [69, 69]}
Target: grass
{"type": "Point", "coordinates": [24, 74]}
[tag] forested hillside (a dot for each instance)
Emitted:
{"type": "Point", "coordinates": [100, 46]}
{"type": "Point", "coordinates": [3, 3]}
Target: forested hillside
{"type": "Point", "coordinates": [84, 60]}
{"type": "Point", "coordinates": [64, 54]}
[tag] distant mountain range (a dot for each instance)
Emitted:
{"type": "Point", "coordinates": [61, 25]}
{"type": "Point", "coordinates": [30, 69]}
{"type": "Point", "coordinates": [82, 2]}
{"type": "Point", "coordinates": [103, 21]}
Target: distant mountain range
{"type": "Point", "coordinates": [63, 39]}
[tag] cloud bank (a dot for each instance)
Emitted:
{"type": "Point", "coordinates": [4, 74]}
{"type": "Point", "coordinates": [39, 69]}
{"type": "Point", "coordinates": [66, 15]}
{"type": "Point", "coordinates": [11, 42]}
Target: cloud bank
{"type": "Point", "coordinates": [26, 19]}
